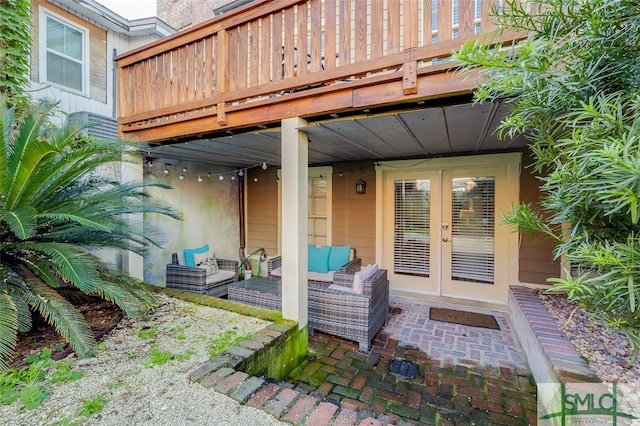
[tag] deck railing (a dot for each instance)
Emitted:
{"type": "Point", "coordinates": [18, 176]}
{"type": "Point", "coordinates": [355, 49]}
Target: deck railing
{"type": "Point", "coordinates": [273, 48]}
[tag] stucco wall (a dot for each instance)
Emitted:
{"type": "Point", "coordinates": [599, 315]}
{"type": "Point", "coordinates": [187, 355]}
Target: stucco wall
{"type": "Point", "coordinates": [209, 209]}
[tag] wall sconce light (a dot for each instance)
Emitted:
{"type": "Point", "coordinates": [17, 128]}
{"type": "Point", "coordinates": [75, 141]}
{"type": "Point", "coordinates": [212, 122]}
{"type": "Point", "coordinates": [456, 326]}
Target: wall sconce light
{"type": "Point", "coordinates": [361, 187]}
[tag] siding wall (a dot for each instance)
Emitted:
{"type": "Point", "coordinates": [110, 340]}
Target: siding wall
{"type": "Point", "coordinates": [536, 253]}
{"type": "Point", "coordinates": [262, 210]}
{"type": "Point", "coordinates": [354, 215]}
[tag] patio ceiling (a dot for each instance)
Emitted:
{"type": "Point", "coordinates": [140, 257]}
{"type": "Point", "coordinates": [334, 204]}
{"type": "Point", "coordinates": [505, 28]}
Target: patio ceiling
{"type": "Point", "coordinates": [432, 131]}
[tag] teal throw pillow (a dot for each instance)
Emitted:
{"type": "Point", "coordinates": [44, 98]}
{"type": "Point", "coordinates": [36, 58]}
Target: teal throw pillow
{"type": "Point", "coordinates": [319, 259]}
{"type": "Point", "coordinates": [188, 255]}
{"type": "Point", "coordinates": [338, 257]}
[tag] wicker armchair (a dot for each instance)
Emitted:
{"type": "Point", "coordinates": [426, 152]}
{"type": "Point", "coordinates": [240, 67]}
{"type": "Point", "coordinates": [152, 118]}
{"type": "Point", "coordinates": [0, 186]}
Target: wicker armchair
{"type": "Point", "coordinates": [353, 316]}
{"type": "Point", "coordinates": [195, 279]}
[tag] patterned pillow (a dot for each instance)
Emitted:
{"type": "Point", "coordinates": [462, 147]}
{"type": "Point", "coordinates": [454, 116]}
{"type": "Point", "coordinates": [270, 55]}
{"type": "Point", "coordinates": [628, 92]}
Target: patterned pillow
{"type": "Point", "coordinates": [207, 261]}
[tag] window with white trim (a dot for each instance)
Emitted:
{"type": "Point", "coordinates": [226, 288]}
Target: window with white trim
{"type": "Point", "coordinates": [64, 53]}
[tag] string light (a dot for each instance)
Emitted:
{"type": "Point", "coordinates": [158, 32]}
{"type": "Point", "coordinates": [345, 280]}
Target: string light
{"type": "Point", "coordinates": [166, 168]}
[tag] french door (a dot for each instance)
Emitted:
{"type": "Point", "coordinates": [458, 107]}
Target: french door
{"type": "Point", "coordinates": [443, 234]}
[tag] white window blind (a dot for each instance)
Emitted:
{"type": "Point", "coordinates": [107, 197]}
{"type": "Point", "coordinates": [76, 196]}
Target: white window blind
{"type": "Point", "coordinates": [65, 57]}
{"type": "Point", "coordinates": [412, 199]}
{"type": "Point", "coordinates": [473, 216]}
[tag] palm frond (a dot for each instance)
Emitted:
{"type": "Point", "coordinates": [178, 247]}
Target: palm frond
{"type": "Point", "coordinates": [63, 316]}
{"type": "Point", "coordinates": [21, 221]}
{"type": "Point", "coordinates": [8, 328]}
{"type": "Point", "coordinates": [70, 261]}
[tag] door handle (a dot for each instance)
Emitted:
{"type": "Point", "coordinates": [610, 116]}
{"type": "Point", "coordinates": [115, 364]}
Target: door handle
{"type": "Point", "coordinates": [445, 240]}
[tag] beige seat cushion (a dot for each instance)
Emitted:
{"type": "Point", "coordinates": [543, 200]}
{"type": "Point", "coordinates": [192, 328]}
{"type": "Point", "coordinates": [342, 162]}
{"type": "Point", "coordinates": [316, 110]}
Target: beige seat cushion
{"type": "Point", "coordinates": [221, 275]}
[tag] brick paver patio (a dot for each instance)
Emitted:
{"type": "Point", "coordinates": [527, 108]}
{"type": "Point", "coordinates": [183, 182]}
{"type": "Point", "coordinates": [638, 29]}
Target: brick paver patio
{"type": "Point", "coordinates": [466, 375]}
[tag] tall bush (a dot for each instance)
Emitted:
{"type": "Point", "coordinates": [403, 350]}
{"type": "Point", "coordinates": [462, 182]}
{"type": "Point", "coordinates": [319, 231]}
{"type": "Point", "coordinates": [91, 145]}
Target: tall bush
{"type": "Point", "coordinates": [573, 89]}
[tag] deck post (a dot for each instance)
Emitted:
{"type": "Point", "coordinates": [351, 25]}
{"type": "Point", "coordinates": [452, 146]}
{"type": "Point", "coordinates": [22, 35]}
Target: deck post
{"type": "Point", "coordinates": [295, 161]}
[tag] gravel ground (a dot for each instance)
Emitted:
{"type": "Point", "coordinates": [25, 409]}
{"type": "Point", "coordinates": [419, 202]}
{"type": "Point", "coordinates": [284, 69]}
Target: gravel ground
{"type": "Point", "coordinates": [607, 353]}
{"type": "Point", "coordinates": [138, 393]}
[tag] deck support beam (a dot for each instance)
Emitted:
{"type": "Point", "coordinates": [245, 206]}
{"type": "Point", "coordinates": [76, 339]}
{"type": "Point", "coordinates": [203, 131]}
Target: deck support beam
{"type": "Point", "coordinates": [295, 175]}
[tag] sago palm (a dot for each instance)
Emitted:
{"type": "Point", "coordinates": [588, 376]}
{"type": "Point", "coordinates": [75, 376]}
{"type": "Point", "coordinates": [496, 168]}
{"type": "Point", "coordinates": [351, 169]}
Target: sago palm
{"type": "Point", "coordinates": [56, 213]}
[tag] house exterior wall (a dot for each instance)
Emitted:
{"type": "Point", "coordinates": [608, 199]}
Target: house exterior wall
{"type": "Point", "coordinates": [354, 217]}
{"type": "Point", "coordinates": [261, 210]}
{"type": "Point", "coordinates": [181, 14]}
{"type": "Point", "coordinates": [103, 46]}
{"type": "Point", "coordinates": [209, 215]}
{"type": "Point", "coordinates": [536, 252]}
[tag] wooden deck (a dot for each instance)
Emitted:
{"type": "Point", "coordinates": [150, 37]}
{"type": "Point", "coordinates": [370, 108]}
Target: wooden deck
{"type": "Point", "coordinates": [274, 59]}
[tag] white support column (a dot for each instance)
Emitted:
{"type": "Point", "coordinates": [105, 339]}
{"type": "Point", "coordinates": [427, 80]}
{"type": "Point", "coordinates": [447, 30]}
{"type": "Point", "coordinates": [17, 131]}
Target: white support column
{"type": "Point", "coordinates": [132, 263]}
{"type": "Point", "coordinates": [295, 163]}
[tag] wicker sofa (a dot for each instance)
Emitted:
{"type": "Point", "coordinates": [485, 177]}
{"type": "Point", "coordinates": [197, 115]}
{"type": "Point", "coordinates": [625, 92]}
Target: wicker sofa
{"type": "Point", "coordinates": [350, 315]}
{"type": "Point", "coordinates": [195, 280]}
{"type": "Point", "coordinates": [274, 269]}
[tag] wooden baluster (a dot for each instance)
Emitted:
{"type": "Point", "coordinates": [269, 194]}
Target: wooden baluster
{"type": "Point", "coordinates": [265, 38]}
{"type": "Point", "coordinates": [254, 53]}
{"type": "Point", "coordinates": [345, 32]}
{"type": "Point", "coordinates": [243, 47]}
{"type": "Point", "coordinates": [361, 31]}
{"type": "Point", "coordinates": [427, 16]}
{"type": "Point", "coordinates": [410, 24]}
{"type": "Point", "coordinates": [209, 51]}
{"type": "Point", "coordinates": [445, 17]}
{"type": "Point", "coordinates": [303, 34]}
{"type": "Point", "coordinates": [487, 22]}
{"type": "Point", "coordinates": [393, 35]}
{"type": "Point", "coordinates": [377, 29]}
{"type": "Point", "coordinates": [330, 34]}
{"type": "Point", "coordinates": [182, 72]}
{"type": "Point", "coordinates": [232, 64]}
{"type": "Point", "coordinates": [466, 12]}
{"type": "Point", "coordinates": [198, 83]}
{"type": "Point", "coordinates": [276, 47]}
{"type": "Point", "coordinates": [316, 36]}
{"type": "Point", "coordinates": [289, 43]}
{"type": "Point", "coordinates": [174, 77]}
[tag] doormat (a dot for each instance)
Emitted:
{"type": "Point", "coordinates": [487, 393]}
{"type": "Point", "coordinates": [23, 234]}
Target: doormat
{"type": "Point", "coordinates": [404, 368]}
{"type": "Point", "coordinates": [463, 317]}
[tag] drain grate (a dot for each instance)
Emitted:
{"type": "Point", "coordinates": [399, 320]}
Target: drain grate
{"type": "Point", "coordinates": [404, 368]}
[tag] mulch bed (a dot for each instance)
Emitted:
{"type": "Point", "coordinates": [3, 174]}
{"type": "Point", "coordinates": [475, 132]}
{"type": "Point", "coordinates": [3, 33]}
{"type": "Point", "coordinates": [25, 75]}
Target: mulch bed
{"type": "Point", "coordinates": [102, 317]}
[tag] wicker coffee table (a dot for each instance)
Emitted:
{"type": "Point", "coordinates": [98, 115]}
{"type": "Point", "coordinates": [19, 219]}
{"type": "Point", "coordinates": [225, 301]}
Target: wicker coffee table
{"type": "Point", "coordinates": [258, 291]}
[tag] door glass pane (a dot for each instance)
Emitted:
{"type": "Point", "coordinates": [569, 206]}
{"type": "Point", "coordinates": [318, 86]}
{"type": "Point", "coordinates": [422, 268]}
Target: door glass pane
{"type": "Point", "coordinates": [473, 215]}
{"type": "Point", "coordinates": [412, 200]}
{"type": "Point", "coordinates": [318, 210]}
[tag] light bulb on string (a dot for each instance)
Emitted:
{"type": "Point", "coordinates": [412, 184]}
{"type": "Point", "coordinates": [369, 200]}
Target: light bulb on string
{"type": "Point", "coordinates": [264, 165]}
{"type": "Point", "coordinates": [241, 173]}
{"type": "Point", "coordinates": [150, 163]}
{"type": "Point", "coordinates": [199, 178]}
{"type": "Point", "coordinates": [181, 176]}
{"type": "Point", "coordinates": [166, 171]}
{"type": "Point", "coordinates": [209, 174]}
{"type": "Point", "coordinates": [221, 177]}
{"type": "Point", "coordinates": [255, 179]}
{"type": "Point", "coordinates": [184, 170]}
